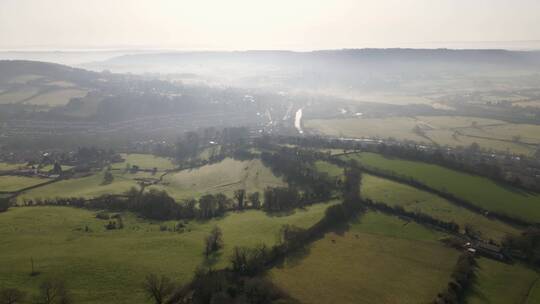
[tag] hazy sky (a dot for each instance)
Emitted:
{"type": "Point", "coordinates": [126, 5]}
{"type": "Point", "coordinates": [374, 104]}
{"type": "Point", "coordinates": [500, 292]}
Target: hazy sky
{"type": "Point", "coordinates": [269, 24]}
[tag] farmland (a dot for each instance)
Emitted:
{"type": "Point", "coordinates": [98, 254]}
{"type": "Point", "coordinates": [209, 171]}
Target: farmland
{"type": "Point", "coordinates": [55, 238]}
{"type": "Point", "coordinates": [225, 177]}
{"type": "Point", "coordinates": [451, 131]}
{"type": "Point", "coordinates": [10, 166]}
{"type": "Point", "coordinates": [88, 187]}
{"type": "Point", "coordinates": [145, 161]}
{"type": "Point", "coordinates": [500, 283]}
{"type": "Point", "coordinates": [412, 199]}
{"type": "Point", "coordinates": [16, 183]}
{"type": "Point", "coordinates": [478, 190]}
{"type": "Point", "coordinates": [381, 259]}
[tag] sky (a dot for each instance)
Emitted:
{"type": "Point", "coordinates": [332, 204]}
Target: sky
{"type": "Point", "coordinates": [269, 24]}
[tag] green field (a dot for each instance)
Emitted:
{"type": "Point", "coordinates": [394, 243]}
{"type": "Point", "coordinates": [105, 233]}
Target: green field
{"type": "Point", "coordinates": [14, 183]}
{"type": "Point", "coordinates": [145, 161]}
{"type": "Point", "coordinates": [103, 266]}
{"type": "Point", "coordinates": [451, 131]}
{"type": "Point", "coordinates": [89, 186]}
{"type": "Point", "coordinates": [478, 190]}
{"type": "Point", "coordinates": [223, 177]}
{"type": "Point", "coordinates": [396, 127]}
{"type": "Point", "coordinates": [381, 259]}
{"type": "Point", "coordinates": [412, 199]}
{"type": "Point", "coordinates": [499, 283]}
{"type": "Point", "coordinates": [56, 97]}
{"type": "Point", "coordinates": [11, 166]}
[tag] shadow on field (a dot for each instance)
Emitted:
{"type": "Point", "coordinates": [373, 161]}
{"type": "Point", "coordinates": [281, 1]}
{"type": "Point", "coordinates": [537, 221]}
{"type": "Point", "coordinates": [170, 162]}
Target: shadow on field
{"type": "Point", "coordinates": [296, 256]}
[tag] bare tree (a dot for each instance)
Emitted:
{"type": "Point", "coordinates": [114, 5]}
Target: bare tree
{"type": "Point", "coordinates": [240, 195]}
{"type": "Point", "coordinates": [53, 291]}
{"type": "Point", "coordinates": [158, 288]}
{"type": "Point", "coordinates": [11, 296]}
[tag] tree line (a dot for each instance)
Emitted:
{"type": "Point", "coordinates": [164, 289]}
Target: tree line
{"type": "Point", "coordinates": [463, 276]}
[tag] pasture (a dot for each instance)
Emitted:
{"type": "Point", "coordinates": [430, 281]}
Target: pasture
{"type": "Point", "coordinates": [380, 259]}
{"type": "Point", "coordinates": [499, 283]}
{"type": "Point", "coordinates": [480, 191]}
{"type": "Point", "coordinates": [57, 97]}
{"type": "Point", "coordinates": [145, 161]}
{"type": "Point", "coordinates": [88, 187]}
{"type": "Point", "coordinates": [414, 200]}
{"type": "Point", "coordinates": [223, 177]}
{"type": "Point", "coordinates": [108, 266]}
{"type": "Point", "coordinates": [15, 183]}
{"type": "Point", "coordinates": [451, 131]}
{"type": "Point", "coordinates": [11, 166]}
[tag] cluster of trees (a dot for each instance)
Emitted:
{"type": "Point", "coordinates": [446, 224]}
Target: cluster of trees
{"type": "Point", "coordinates": [191, 143]}
{"type": "Point", "coordinates": [213, 242]}
{"type": "Point", "coordinates": [5, 203]}
{"type": "Point", "coordinates": [223, 286]}
{"type": "Point", "coordinates": [279, 199]}
{"type": "Point", "coordinates": [299, 171]}
{"type": "Point", "coordinates": [51, 291]}
{"type": "Point", "coordinates": [416, 216]}
{"type": "Point", "coordinates": [462, 279]}
{"type": "Point", "coordinates": [156, 204]}
{"type": "Point", "coordinates": [526, 245]}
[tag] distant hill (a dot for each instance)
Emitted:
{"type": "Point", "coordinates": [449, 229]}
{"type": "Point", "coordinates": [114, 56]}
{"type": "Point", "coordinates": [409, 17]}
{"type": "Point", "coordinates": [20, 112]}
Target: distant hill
{"type": "Point", "coordinates": [13, 69]}
{"type": "Point", "coordinates": [369, 68]}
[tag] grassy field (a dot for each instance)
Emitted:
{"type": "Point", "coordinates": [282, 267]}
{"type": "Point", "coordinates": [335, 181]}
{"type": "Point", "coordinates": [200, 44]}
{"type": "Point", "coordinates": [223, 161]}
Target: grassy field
{"type": "Point", "coordinates": [15, 183]}
{"type": "Point", "coordinates": [499, 283]}
{"type": "Point", "coordinates": [412, 199]}
{"type": "Point", "coordinates": [103, 266]}
{"type": "Point", "coordinates": [56, 97]}
{"type": "Point", "coordinates": [381, 259]}
{"type": "Point", "coordinates": [396, 127]}
{"type": "Point", "coordinates": [14, 96]}
{"type": "Point", "coordinates": [10, 166]}
{"type": "Point", "coordinates": [145, 161]}
{"type": "Point", "coordinates": [90, 186]}
{"type": "Point", "coordinates": [451, 131]}
{"type": "Point", "coordinates": [223, 177]}
{"type": "Point", "coordinates": [478, 190]}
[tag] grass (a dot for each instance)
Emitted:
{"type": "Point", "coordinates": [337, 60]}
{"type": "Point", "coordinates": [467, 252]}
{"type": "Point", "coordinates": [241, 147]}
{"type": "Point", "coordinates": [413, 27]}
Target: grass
{"type": "Point", "coordinates": [11, 166]}
{"type": "Point", "coordinates": [57, 97]}
{"type": "Point", "coordinates": [145, 161]}
{"type": "Point", "coordinates": [90, 186]}
{"type": "Point", "coordinates": [381, 259]}
{"type": "Point", "coordinates": [16, 95]}
{"type": "Point", "coordinates": [223, 177]}
{"type": "Point", "coordinates": [503, 283]}
{"type": "Point", "coordinates": [497, 134]}
{"type": "Point", "coordinates": [103, 266]}
{"type": "Point", "coordinates": [478, 190]}
{"type": "Point", "coordinates": [412, 199]}
{"type": "Point", "coordinates": [14, 183]}
{"type": "Point", "coordinates": [396, 127]}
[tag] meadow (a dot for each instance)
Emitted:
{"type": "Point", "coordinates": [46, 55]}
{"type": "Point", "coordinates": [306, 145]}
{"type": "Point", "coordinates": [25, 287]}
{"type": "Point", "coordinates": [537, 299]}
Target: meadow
{"type": "Point", "coordinates": [380, 259]}
{"type": "Point", "coordinates": [108, 266]}
{"type": "Point", "coordinates": [145, 161]}
{"type": "Point", "coordinates": [414, 200]}
{"type": "Point", "coordinates": [451, 131]}
{"type": "Point", "coordinates": [499, 283]}
{"type": "Point", "coordinates": [11, 166]}
{"type": "Point", "coordinates": [15, 183]}
{"type": "Point", "coordinates": [56, 97]}
{"type": "Point", "coordinates": [88, 187]}
{"type": "Point", "coordinates": [223, 177]}
{"type": "Point", "coordinates": [480, 191]}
